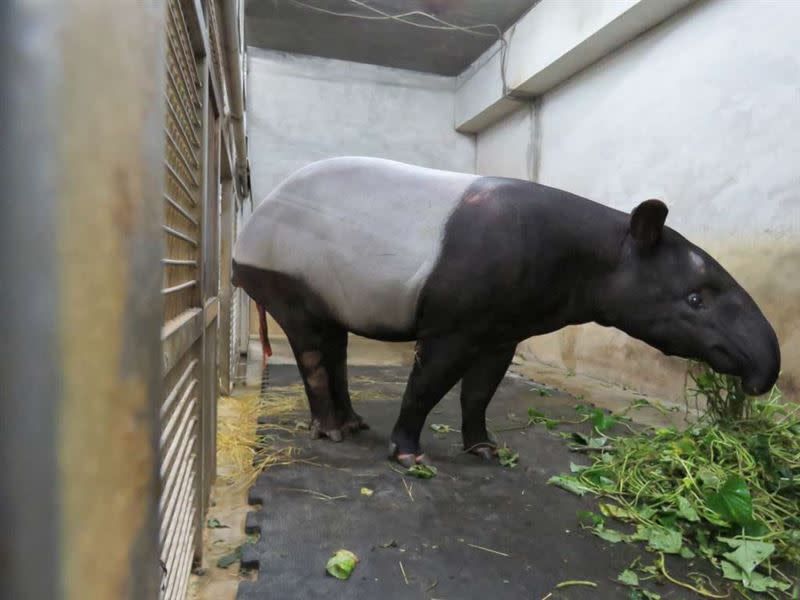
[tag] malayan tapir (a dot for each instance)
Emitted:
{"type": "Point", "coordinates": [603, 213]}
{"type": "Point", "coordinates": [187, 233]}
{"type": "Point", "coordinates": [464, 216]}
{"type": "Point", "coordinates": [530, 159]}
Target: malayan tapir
{"type": "Point", "coordinates": [469, 266]}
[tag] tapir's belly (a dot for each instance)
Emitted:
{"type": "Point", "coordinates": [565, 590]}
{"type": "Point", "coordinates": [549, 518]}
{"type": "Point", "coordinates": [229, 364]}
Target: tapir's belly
{"type": "Point", "coordinates": [363, 234]}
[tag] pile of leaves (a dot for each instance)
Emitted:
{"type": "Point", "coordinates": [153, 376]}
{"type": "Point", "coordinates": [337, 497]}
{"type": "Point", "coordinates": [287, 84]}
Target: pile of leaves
{"type": "Point", "coordinates": [726, 488]}
{"type": "Point", "coordinates": [722, 397]}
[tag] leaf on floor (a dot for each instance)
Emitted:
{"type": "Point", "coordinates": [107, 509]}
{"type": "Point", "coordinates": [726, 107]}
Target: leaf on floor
{"type": "Point", "coordinates": [341, 564]}
{"type": "Point", "coordinates": [422, 471]}
{"type": "Point", "coordinates": [610, 535]}
{"type": "Point", "coordinates": [508, 458]}
{"type": "Point", "coordinates": [223, 562]}
{"type": "Point", "coordinates": [441, 428]}
{"type": "Point", "coordinates": [215, 524]}
{"type": "Point", "coordinates": [628, 577]}
{"type": "Point", "coordinates": [568, 483]}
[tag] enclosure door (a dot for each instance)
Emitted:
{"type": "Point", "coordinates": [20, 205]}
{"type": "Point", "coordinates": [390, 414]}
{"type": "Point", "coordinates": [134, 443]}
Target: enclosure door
{"type": "Point", "coordinates": [190, 281]}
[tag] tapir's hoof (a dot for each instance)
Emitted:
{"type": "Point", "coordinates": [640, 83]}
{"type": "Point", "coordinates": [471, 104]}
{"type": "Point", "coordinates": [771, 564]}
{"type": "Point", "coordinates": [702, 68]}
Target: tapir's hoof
{"type": "Point", "coordinates": [317, 432]}
{"type": "Point", "coordinates": [407, 459]}
{"type": "Point", "coordinates": [487, 452]}
{"type": "Point", "coordinates": [354, 425]}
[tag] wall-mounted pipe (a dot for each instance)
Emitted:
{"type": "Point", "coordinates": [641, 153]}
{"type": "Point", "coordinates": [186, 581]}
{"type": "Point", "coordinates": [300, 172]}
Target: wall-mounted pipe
{"type": "Point", "coordinates": [234, 49]}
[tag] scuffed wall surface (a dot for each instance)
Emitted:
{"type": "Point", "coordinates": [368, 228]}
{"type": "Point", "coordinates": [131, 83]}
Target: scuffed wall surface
{"type": "Point", "coordinates": [507, 148]}
{"type": "Point", "coordinates": [302, 109]}
{"type": "Point", "coordinates": [702, 112]}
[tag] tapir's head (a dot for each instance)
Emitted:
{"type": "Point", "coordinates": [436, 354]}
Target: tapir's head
{"type": "Point", "coordinates": [671, 294]}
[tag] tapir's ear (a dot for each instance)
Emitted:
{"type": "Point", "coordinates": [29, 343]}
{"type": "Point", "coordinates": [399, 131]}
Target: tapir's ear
{"type": "Point", "coordinates": [647, 223]}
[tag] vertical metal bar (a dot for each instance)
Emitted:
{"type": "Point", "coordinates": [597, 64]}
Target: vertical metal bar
{"type": "Point", "coordinates": [204, 366]}
{"type": "Point", "coordinates": [228, 211]}
{"type": "Point", "coordinates": [213, 290]}
{"type": "Point", "coordinates": [244, 322]}
{"type": "Point", "coordinates": [81, 322]}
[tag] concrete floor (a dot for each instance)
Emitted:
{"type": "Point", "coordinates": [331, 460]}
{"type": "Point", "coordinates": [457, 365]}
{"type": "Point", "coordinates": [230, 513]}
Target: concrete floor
{"type": "Point", "coordinates": [510, 511]}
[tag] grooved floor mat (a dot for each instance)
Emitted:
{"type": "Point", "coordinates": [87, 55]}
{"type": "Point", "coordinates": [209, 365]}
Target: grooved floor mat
{"type": "Point", "coordinates": [477, 530]}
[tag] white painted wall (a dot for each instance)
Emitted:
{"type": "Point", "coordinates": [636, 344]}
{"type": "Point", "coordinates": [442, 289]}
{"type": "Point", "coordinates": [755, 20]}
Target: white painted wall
{"type": "Point", "coordinates": [302, 109]}
{"type": "Point", "coordinates": [703, 112]}
{"type": "Point", "coordinates": [508, 147]}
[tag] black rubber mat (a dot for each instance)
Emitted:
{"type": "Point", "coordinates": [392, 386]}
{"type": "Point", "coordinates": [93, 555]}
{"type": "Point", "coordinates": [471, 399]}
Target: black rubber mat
{"type": "Point", "coordinates": [475, 531]}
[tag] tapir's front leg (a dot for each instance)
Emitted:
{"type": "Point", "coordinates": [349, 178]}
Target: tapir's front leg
{"type": "Point", "coordinates": [477, 389]}
{"type": "Point", "coordinates": [438, 365]}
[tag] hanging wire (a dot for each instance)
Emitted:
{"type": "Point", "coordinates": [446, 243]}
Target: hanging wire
{"type": "Point", "coordinates": [436, 24]}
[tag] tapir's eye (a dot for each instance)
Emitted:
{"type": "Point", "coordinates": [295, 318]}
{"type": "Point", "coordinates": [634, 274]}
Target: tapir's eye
{"type": "Point", "coordinates": [695, 300]}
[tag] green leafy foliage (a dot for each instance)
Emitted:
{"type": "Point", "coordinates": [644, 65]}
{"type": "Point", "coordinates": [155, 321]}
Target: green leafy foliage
{"type": "Point", "coordinates": [628, 577]}
{"type": "Point", "coordinates": [595, 443]}
{"type": "Point", "coordinates": [640, 403]}
{"type": "Point", "coordinates": [571, 484]}
{"type": "Point", "coordinates": [610, 535]}
{"type": "Point", "coordinates": [726, 488]}
{"type": "Point", "coordinates": [618, 512]}
{"type": "Point", "coordinates": [686, 510]}
{"type": "Point", "coordinates": [732, 502]}
{"type": "Point", "coordinates": [422, 471]}
{"type": "Point", "coordinates": [537, 417]}
{"type": "Point", "coordinates": [754, 581]}
{"type": "Point", "coordinates": [602, 421]}
{"type": "Point", "coordinates": [721, 396]}
{"type": "Point", "coordinates": [508, 458]}
{"type": "Point", "coordinates": [748, 554]}
{"type": "Point", "coordinates": [642, 594]}
{"type": "Point", "coordinates": [587, 517]}
{"type": "Point", "coordinates": [441, 428]}
{"type": "Point", "coordinates": [664, 540]}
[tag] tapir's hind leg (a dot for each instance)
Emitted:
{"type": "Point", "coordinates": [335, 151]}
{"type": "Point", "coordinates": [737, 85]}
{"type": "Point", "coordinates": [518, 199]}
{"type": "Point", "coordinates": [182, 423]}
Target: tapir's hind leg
{"type": "Point", "coordinates": [477, 389]}
{"type": "Point", "coordinates": [320, 351]}
{"type": "Point", "coordinates": [319, 345]}
{"type": "Point", "coordinates": [439, 364]}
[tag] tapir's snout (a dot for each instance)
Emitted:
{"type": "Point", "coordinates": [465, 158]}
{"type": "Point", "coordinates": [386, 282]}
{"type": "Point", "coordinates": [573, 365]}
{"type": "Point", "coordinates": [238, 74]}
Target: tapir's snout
{"type": "Point", "coordinates": [762, 373]}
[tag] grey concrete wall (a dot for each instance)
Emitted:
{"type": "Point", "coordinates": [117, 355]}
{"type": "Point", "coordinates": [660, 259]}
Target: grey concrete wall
{"type": "Point", "coordinates": [508, 148]}
{"type": "Point", "coordinates": [703, 112]}
{"type": "Point", "coordinates": [302, 109]}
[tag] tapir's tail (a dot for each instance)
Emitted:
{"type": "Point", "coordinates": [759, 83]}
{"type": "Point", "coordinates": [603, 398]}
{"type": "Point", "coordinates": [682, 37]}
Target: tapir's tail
{"type": "Point", "coordinates": [266, 349]}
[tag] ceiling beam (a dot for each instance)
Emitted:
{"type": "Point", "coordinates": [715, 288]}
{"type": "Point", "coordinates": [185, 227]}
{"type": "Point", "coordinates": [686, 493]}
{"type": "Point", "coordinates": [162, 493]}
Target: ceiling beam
{"type": "Point", "coordinates": [552, 42]}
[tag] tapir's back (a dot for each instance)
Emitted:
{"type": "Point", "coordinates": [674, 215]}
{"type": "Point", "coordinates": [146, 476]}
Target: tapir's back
{"type": "Point", "coordinates": [362, 233]}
